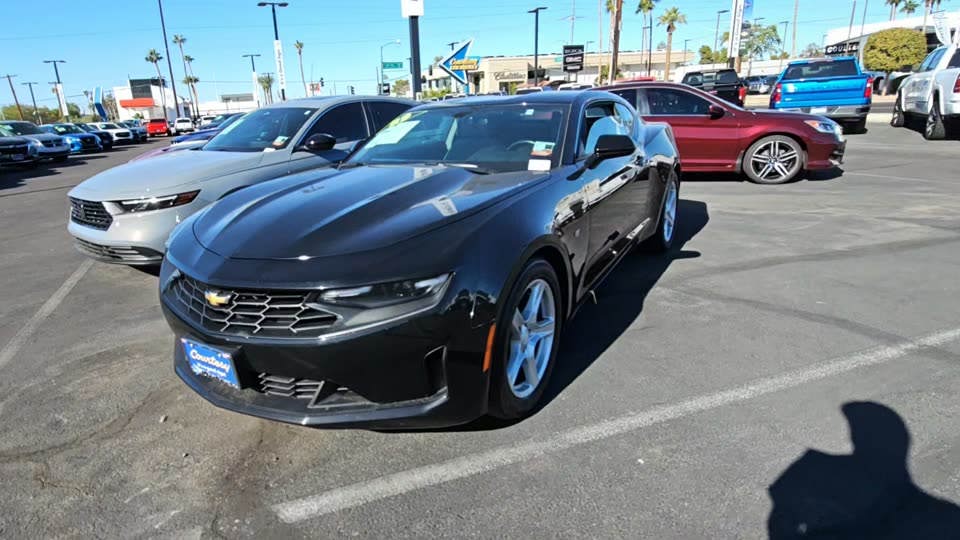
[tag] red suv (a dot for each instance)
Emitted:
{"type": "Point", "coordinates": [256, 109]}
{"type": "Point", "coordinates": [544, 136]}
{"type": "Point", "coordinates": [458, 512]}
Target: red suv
{"type": "Point", "coordinates": [157, 126]}
{"type": "Point", "coordinates": [714, 135]}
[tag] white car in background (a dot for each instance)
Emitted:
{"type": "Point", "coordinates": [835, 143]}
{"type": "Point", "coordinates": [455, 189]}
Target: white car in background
{"type": "Point", "coordinates": [932, 93]}
{"type": "Point", "coordinates": [204, 120]}
{"type": "Point", "coordinates": [120, 134]}
{"type": "Point", "coordinates": [183, 125]}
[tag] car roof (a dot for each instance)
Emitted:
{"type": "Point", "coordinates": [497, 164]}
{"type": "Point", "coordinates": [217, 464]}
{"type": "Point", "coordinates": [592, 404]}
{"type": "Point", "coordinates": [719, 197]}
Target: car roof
{"type": "Point", "coordinates": [324, 102]}
{"type": "Point", "coordinates": [548, 97]}
{"type": "Point", "coordinates": [641, 84]}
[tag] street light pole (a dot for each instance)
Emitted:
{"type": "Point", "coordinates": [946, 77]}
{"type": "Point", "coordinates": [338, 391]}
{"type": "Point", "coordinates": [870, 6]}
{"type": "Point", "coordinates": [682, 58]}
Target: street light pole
{"type": "Point", "coordinates": [277, 47]}
{"type": "Point", "coordinates": [382, 76]}
{"type": "Point", "coordinates": [853, 12]}
{"type": "Point", "coordinates": [253, 68]}
{"type": "Point", "coordinates": [716, 33]}
{"type": "Point", "coordinates": [783, 42]}
{"type": "Point", "coordinates": [536, 44]}
{"type": "Point", "coordinates": [166, 48]}
{"type": "Point", "coordinates": [36, 113]}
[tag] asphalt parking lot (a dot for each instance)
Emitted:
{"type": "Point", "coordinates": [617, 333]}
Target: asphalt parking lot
{"type": "Point", "coordinates": [680, 402]}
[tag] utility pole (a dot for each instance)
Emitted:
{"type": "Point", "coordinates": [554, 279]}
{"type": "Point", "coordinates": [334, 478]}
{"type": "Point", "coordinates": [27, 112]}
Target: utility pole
{"type": "Point", "coordinates": [61, 100]}
{"type": "Point", "coordinates": [536, 44]}
{"type": "Point", "coordinates": [572, 18]}
{"type": "Point", "coordinates": [863, 20]}
{"type": "Point", "coordinates": [793, 45]}
{"type": "Point", "coordinates": [36, 113]}
{"type": "Point", "coordinates": [615, 39]}
{"type": "Point", "coordinates": [166, 49]}
{"type": "Point", "coordinates": [783, 43]}
{"type": "Point", "coordinates": [14, 92]}
{"type": "Point", "coordinates": [853, 12]}
{"type": "Point", "coordinates": [256, 84]}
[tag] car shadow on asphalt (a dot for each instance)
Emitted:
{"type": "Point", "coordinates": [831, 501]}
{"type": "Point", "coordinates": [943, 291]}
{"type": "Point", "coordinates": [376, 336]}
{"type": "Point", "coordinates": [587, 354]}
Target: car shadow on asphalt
{"type": "Point", "coordinates": [11, 178]}
{"type": "Point", "coordinates": [620, 301]}
{"type": "Point", "coordinates": [866, 494]}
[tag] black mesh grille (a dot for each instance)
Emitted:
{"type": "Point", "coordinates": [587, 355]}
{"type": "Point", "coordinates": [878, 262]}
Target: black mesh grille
{"type": "Point", "coordinates": [250, 312]}
{"type": "Point", "coordinates": [316, 394]}
{"type": "Point", "coordinates": [14, 149]}
{"type": "Point", "coordinates": [123, 254]}
{"type": "Point", "coordinates": [90, 213]}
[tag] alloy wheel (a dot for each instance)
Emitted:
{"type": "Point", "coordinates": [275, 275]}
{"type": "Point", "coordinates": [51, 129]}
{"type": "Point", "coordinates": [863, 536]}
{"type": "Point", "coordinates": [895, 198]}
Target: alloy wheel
{"type": "Point", "coordinates": [532, 329]}
{"type": "Point", "coordinates": [669, 211]}
{"type": "Point", "coordinates": [775, 161]}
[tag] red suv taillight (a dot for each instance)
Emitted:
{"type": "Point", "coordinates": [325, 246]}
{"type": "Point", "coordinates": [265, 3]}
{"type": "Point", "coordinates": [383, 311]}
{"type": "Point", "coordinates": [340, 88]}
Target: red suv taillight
{"type": "Point", "coordinates": [777, 94]}
{"type": "Point", "coordinates": [742, 93]}
{"type": "Point", "coordinates": [956, 85]}
{"type": "Point", "coordinates": [868, 91]}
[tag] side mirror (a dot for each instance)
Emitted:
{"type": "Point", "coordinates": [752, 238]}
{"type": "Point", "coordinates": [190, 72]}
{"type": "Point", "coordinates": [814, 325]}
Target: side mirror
{"type": "Point", "coordinates": [610, 146]}
{"type": "Point", "coordinates": [319, 142]}
{"type": "Point", "coordinates": [716, 111]}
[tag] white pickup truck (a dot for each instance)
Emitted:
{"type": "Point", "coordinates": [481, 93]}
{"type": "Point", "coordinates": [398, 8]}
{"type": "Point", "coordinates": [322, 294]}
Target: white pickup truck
{"type": "Point", "coordinates": [933, 92]}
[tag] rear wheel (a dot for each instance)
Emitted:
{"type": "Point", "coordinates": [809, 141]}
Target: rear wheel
{"type": "Point", "coordinates": [935, 129]}
{"type": "Point", "coordinates": [528, 333]}
{"type": "Point", "coordinates": [662, 239]}
{"type": "Point", "coordinates": [898, 119]}
{"type": "Point", "coordinates": [773, 160]}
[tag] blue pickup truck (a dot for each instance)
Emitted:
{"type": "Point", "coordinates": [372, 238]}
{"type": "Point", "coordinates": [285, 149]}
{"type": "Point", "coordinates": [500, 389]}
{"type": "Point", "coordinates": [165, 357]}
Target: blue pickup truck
{"type": "Point", "coordinates": [831, 87]}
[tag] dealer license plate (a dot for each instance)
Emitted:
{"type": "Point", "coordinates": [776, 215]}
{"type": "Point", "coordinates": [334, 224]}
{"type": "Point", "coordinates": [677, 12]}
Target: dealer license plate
{"type": "Point", "coordinates": [211, 362]}
{"type": "Point", "coordinates": [17, 157]}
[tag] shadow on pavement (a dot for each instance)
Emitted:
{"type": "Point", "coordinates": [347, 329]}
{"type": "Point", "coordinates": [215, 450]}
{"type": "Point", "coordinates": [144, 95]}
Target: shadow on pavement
{"type": "Point", "coordinates": [11, 178]}
{"type": "Point", "coordinates": [823, 175]}
{"type": "Point", "coordinates": [620, 300]}
{"type": "Point", "coordinates": [868, 494]}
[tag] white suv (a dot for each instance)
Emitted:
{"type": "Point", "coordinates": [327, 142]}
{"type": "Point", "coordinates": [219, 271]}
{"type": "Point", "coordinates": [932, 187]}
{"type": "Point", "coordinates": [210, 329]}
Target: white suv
{"type": "Point", "coordinates": [932, 93]}
{"type": "Point", "coordinates": [183, 125]}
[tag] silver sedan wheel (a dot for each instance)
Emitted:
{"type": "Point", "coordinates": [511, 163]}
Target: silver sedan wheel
{"type": "Point", "coordinates": [531, 338]}
{"type": "Point", "coordinates": [774, 161]}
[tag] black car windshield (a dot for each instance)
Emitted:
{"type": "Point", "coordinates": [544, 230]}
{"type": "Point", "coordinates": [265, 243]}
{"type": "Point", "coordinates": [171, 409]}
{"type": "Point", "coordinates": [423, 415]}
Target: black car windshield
{"type": "Point", "coordinates": [493, 138]}
{"type": "Point", "coordinates": [262, 130]}
{"type": "Point", "coordinates": [20, 128]}
{"type": "Point", "coordinates": [64, 129]}
{"type": "Point", "coordinates": [110, 125]}
{"type": "Point", "coordinates": [821, 68]}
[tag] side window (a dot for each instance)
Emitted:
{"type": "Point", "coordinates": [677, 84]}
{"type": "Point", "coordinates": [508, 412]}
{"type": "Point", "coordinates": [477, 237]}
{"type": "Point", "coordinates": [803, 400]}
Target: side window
{"type": "Point", "coordinates": [670, 101]}
{"type": "Point", "coordinates": [629, 94]}
{"type": "Point", "coordinates": [932, 60]}
{"type": "Point", "coordinates": [344, 122]}
{"type": "Point", "coordinates": [627, 118]}
{"type": "Point", "coordinates": [599, 119]}
{"type": "Point", "coordinates": [955, 61]}
{"type": "Point", "coordinates": [384, 111]}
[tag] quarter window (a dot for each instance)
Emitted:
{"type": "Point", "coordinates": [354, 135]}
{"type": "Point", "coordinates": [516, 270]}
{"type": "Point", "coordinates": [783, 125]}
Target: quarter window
{"type": "Point", "coordinates": [344, 122]}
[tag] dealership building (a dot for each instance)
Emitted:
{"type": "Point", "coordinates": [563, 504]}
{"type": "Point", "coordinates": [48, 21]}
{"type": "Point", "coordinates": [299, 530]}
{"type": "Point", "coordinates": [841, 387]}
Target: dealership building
{"type": "Point", "coordinates": [850, 40]}
{"type": "Point", "coordinates": [152, 98]}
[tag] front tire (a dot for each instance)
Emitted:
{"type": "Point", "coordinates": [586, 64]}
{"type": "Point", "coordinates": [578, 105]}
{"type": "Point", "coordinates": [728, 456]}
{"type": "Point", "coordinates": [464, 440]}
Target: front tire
{"type": "Point", "coordinates": [773, 160]}
{"type": "Point", "coordinates": [526, 341]}
{"type": "Point", "coordinates": [935, 129]}
{"type": "Point", "coordinates": [662, 239]}
{"type": "Point", "coordinates": [898, 119]}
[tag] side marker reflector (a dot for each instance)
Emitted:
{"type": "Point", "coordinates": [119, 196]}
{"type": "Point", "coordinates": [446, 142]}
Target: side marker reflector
{"type": "Point", "coordinates": [488, 353]}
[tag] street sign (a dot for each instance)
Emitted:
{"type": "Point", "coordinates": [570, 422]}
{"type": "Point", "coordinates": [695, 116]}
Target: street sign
{"type": "Point", "coordinates": [393, 65]}
{"type": "Point", "coordinates": [411, 8]}
{"type": "Point", "coordinates": [281, 76]}
{"type": "Point", "coordinates": [572, 58]}
{"type": "Point", "coordinates": [385, 89]}
{"type": "Point", "coordinates": [849, 48]}
{"type": "Point", "coordinates": [459, 54]}
{"type": "Point", "coordinates": [736, 27]}
{"type": "Point", "coordinates": [467, 64]}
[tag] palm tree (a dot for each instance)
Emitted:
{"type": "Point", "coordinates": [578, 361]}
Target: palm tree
{"type": "Point", "coordinates": [927, 8]}
{"type": "Point", "coordinates": [298, 45]}
{"type": "Point", "coordinates": [670, 18]}
{"type": "Point", "coordinates": [645, 8]}
{"type": "Point", "coordinates": [893, 8]}
{"type": "Point", "coordinates": [154, 58]}
{"type": "Point", "coordinates": [266, 82]}
{"type": "Point", "coordinates": [909, 7]}
{"type": "Point", "coordinates": [191, 83]}
{"type": "Point", "coordinates": [179, 40]}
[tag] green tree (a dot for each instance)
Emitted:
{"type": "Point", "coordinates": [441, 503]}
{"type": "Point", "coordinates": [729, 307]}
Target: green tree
{"type": "Point", "coordinates": [782, 56]}
{"type": "Point", "coordinates": [73, 111]}
{"type": "Point", "coordinates": [154, 58]}
{"type": "Point", "coordinates": [298, 45]}
{"type": "Point", "coordinates": [812, 50]}
{"type": "Point", "coordinates": [605, 74]}
{"type": "Point", "coordinates": [401, 87]}
{"type": "Point", "coordinates": [893, 49]}
{"type": "Point", "coordinates": [266, 82]}
{"type": "Point", "coordinates": [670, 18]}
{"type": "Point", "coordinates": [909, 7]}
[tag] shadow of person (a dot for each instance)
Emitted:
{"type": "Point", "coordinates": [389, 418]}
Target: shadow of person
{"type": "Point", "coordinates": [868, 494]}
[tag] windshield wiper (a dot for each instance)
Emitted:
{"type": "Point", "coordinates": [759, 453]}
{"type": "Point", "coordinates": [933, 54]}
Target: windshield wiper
{"type": "Point", "coordinates": [345, 165]}
{"type": "Point", "coordinates": [465, 166]}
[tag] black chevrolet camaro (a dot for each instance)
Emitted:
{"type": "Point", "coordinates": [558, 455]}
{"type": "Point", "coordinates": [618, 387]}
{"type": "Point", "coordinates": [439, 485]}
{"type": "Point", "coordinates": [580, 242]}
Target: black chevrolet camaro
{"type": "Point", "coordinates": [424, 282]}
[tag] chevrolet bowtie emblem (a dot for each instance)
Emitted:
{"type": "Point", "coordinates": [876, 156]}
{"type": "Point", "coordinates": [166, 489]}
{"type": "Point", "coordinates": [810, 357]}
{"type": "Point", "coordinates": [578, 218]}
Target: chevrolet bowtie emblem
{"type": "Point", "coordinates": [216, 298]}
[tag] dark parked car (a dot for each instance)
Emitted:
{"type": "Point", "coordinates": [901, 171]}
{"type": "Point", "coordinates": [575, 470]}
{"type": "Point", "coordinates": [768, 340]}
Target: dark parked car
{"type": "Point", "coordinates": [723, 83]}
{"type": "Point", "coordinates": [715, 136]}
{"type": "Point", "coordinates": [427, 280]}
{"type": "Point", "coordinates": [106, 139]}
{"type": "Point", "coordinates": [18, 151]}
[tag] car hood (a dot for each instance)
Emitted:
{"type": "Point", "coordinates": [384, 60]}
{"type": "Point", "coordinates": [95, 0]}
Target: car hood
{"type": "Point", "coordinates": [40, 137]}
{"type": "Point", "coordinates": [325, 213]}
{"type": "Point", "coordinates": [163, 175]}
{"type": "Point", "coordinates": [770, 114]}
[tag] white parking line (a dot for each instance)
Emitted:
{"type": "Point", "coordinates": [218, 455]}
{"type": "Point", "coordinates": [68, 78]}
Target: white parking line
{"type": "Point", "coordinates": [20, 338]}
{"type": "Point", "coordinates": [431, 475]}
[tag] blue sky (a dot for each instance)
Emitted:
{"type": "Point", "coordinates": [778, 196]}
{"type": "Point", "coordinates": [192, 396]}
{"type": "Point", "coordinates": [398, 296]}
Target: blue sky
{"type": "Point", "coordinates": [104, 42]}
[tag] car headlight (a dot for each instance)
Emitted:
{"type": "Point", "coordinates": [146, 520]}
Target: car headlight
{"type": "Point", "coordinates": [70, 140]}
{"type": "Point", "coordinates": [158, 203]}
{"type": "Point", "coordinates": [825, 126]}
{"type": "Point", "coordinates": [387, 294]}
{"type": "Point", "coordinates": [33, 148]}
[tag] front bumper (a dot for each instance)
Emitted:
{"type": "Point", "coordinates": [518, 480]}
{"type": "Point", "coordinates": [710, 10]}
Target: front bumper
{"type": "Point", "coordinates": [132, 238]}
{"type": "Point", "coordinates": [422, 372]}
{"type": "Point", "coordinates": [54, 152]}
{"type": "Point", "coordinates": [825, 151]}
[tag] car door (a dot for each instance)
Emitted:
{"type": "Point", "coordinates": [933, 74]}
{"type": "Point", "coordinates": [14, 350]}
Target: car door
{"type": "Point", "coordinates": [346, 122]}
{"type": "Point", "coordinates": [916, 92]}
{"type": "Point", "coordinates": [612, 198]}
{"type": "Point", "coordinates": [706, 143]}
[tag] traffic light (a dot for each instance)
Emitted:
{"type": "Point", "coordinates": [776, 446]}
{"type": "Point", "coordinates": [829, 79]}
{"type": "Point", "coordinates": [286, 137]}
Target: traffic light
{"type": "Point", "coordinates": [351, 89]}
{"type": "Point", "coordinates": [385, 89]}
{"type": "Point", "coordinates": [321, 82]}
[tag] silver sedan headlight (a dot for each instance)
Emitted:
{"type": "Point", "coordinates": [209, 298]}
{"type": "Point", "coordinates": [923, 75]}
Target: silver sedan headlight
{"type": "Point", "coordinates": [158, 203]}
